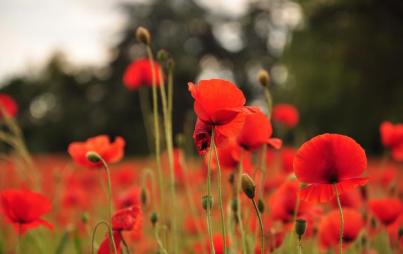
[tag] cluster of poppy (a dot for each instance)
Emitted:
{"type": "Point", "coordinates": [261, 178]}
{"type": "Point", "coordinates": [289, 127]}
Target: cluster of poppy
{"type": "Point", "coordinates": [326, 185]}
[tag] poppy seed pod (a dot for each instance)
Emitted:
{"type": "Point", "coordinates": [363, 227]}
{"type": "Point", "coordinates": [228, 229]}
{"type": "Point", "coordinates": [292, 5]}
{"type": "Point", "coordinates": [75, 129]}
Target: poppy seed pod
{"type": "Point", "coordinates": [207, 202]}
{"type": "Point", "coordinates": [300, 227]}
{"type": "Point", "coordinates": [93, 157]}
{"type": "Point", "coordinates": [154, 218]}
{"type": "Point", "coordinates": [162, 55]}
{"type": "Point", "coordinates": [264, 78]}
{"type": "Point", "coordinates": [248, 186]}
{"type": "Point", "coordinates": [143, 35]}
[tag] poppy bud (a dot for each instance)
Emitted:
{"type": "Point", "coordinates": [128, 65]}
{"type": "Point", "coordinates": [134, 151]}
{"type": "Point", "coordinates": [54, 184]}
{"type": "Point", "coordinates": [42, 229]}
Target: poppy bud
{"type": "Point", "coordinates": [207, 202]}
{"type": "Point", "coordinates": [264, 78]}
{"type": "Point", "coordinates": [162, 55]}
{"type": "Point", "coordinates": [248, 186]}
{"type": "Point", "coordinates": [234, 205]}
{"type": "Point", "coordinates": [170, 63]}
{"type": "Point", "coordinates": [84, 217]}
{"type": "Point", "coordinates": [143, 196]}
{"type": "Point", "coordinates": [154, 218]}
{"type": "Point", "coordinates": [143, 35]}
{"type": "Point", "coordinates": [260, 206]}
{"type": "Point", "coordinates": [93, 157]}
{"type": "Point", "coordinates": [300, 227]}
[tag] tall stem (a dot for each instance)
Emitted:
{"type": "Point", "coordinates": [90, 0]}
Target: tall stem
{"type": "Point", "coordinates": [239, 217]}
{"type": "Point", "coordinates": [146, 113]}
{"type": "Point", "coordinates": [169, 145]}
{"type": "Point", "coordinates": [156, 127]}
{"type": "Point", "coordinates": [223, 227]}
{"type": "Point", "coordinates": [261, 226]}
{"type": "Point", "coordinates": [341, 217]}
{"type": "Point", "coordinates": [208, 210]}
{"type": "Point", "coordinates": [110, 201]}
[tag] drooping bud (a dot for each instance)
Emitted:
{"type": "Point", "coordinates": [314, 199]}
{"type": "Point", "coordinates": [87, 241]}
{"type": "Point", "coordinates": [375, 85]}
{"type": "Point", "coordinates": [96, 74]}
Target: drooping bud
{"type": "Point", "coordinates": [248, 186]}
{"type": "Point", "coordinates": [162, 55]}
{"type": "Point", "coordinates": [93, 157]}
{"type": "Point", "coordinates": [143, 196]}
{"type": "Point", "coordinates": [154, 218]}
{"type": "Point", "coordinates": [260, 206]}
{"type": "Point", "coordinates": [143, 35]}
{"type": "Point", "coordinates": [207, 202]}
{"type": "Point", "coordinates": [264, 78]}
{"type": "Point", "coordinates": [300, 227]}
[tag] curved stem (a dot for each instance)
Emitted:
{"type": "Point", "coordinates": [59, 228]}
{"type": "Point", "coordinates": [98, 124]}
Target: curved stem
{"type": "Point", "coordinates": [156, 127]}
{"type": "Point", "coordinates": [261, 226]}
{"type": "Point", "coordinates": [208, 210]}
{"type": "Point", "coordinates": [341, 217]}
{"type": "Point", "coordinates": [159, 242]}
{"type": "Point", "coordinates": [102, 222]}
{"type": "Point", "coordinates": [223, 227]}
{"type": "Point", "coordinates": [110, 201]}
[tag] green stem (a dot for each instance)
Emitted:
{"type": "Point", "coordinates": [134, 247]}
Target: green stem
{"type": "Point", "coordinates": [102, 222]}
{"type": "Point", "coordinates": [238, 191]}
{"type": "Point", "coordinates": [261, 226]}
{"type": "Point", "coordinates": [269, 101]}
{"type": "Point", "coordinates": [341, 217]}
{"type": "Point", "coordinates": [145, 111]}
{"type": "Point", "coordinates": [223, 227]}
{"type": "Point", "coordinates": [110, 201]}
{"type": "Point", "coordinates": [156, 128]}
{"type": "Point", "coordinates": [159, 242]}
{"type": "Point", "coordinates": [169, 145]}
{"type": "Point", "coordinates": [299, 247]}
{"type": "Point", "coordinates": [208, 210]}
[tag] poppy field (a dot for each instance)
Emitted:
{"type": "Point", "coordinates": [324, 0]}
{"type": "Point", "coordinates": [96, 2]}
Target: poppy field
{"type": "Point", "coordinates": [245, 191]}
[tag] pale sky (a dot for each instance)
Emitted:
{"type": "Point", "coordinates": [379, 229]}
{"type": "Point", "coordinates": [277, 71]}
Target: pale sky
{"type": "Point", "coordinates": [31, 30]}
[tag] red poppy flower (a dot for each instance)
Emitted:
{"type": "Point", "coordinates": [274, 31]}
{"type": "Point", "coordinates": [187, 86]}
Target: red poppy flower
{"type": "Point", "coordinates": [329, 228]}
{"type": "Point", "coordinates": [392, 138]}
{"type": "Point", "coordinates": [139, 72]}
{"type": "Point", "coordinates": [105, 247]}
{"type": "Point", "coordinates": [326, 160]}
{"type": "Point", "coordinates": [256, 131]}
{"type": "Point", "coordinates": [127, 219]}
{"type": "Point", "coordinates": [24, 209]}
{"type": "Point", "coordinates": [217, 101]}
{"type": "Point", "coordinates": [130, 198]}
{"type": "Point", "coordinates": [285, 114]}
{"type": "Point", "coordinates": [8, 105]}
{"type": "Point", "coordinates": [287, 159]}
{"type": "Point", "coordinates": [230, 155]}
{"type": "Point", "coordinates": [387, 210]}
{"type": "Point", "coordinates": [110, 152]}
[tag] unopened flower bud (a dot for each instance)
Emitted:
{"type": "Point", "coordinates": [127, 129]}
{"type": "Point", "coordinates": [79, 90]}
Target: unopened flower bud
{"type": "Point", "coordinates": [143, 35]}
{"type": "Point", "coordinates": [93, 157]}
{"type": "Point", "coordinates": [260, 206]}
{"type": "Point", "coordinates": [300, 227]}
{"type": "Point", "coordinates": [248, 186]}
{"type": "Point", "coordinates": [154, 218]}
{"type": "Point", "coordinates": [143, 196]}
{"type": "Point", "coordinates": [264, 78]}
{"type": "Point", "coordinates": [207, 202]}
{"type": "Point", "coordinates": [84, 218]}
{"type": "Point", "coordinates": [170, 63]}
{"type": "Point", "coordinates": [162, 55]}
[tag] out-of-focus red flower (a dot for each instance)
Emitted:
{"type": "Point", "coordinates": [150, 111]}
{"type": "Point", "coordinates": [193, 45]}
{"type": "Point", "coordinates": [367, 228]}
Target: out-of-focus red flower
{"type": "Point", "coordinates": [326, 160]}
{"type": "Point", "coordinates": [387, 210]}
{"type": "Point", "coordinates": [130, 198]}
{"type": "Point", "coordinates": [24, 209]}
{"type": "Point", "coordinates": [8, 105]}
{"type": "Point", "coordinates": [256, 131]}
{"type": "Point", "coordinates": [285, 114]}
{"type": "Point", "coordinates": [218, 243]}
{"type": "Point", "coordinates": [105, 247]}
{"type": "Point", "coordinates": [217, 101]}
{"type": "Point", "coordinates": [393, 230]}
{"type": "Point", "coordinates": [110, 152]}
{"type": "Point", "coordinates": [194, 225]}
{"type": "Point", "coordinates": [127, 219]}
{"type": "Point", "coordinates": [230, 155]}
{"type": "Point", "coordinates": [287, 159]}
{"type": "Point", "coordinates": [351, 199]}
{"type": "Point", "coordinates": [329, 228]}
{"type": "Point", "coordinates": [139, 73]}
{"type": "Point", "coordinates": [392, 138]}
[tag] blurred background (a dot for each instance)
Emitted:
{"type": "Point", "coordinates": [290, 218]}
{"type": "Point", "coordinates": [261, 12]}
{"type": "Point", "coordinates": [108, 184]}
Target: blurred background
{"type": "Point", "coordinates": [340, 62]}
